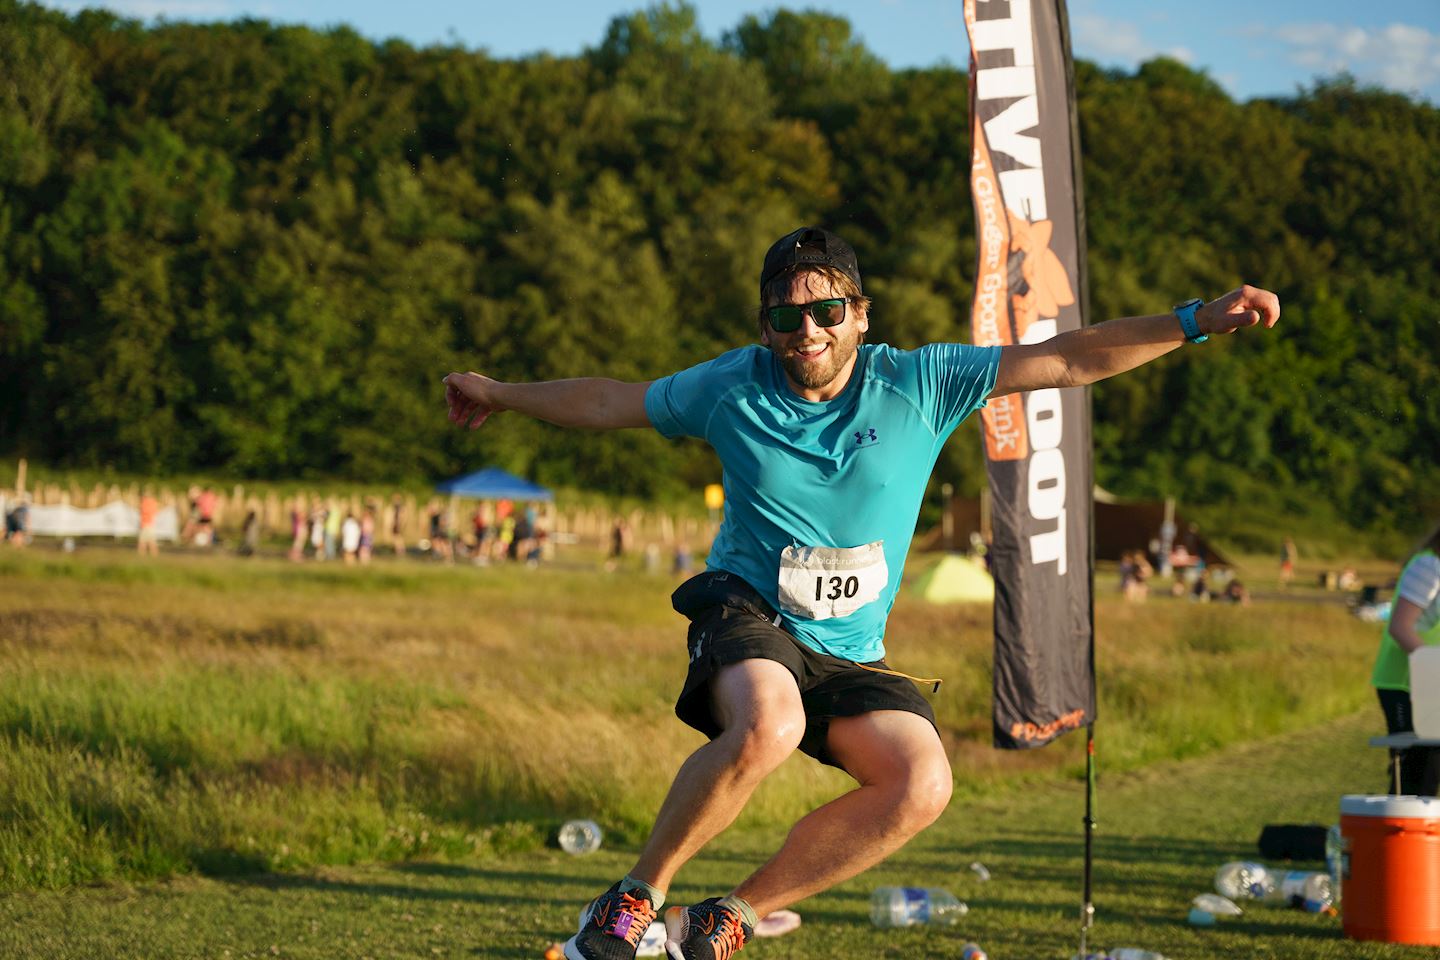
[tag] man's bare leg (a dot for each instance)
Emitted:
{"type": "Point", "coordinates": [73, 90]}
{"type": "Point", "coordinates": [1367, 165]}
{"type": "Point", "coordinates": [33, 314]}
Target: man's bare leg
{"type": "Point", "coordinates": [905, 784]}
{"type": "Point", "coordinates": [757, 704]}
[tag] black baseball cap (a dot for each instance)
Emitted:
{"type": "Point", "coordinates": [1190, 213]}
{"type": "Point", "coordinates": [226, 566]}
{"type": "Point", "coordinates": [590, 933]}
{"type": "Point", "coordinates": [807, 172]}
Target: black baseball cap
{"type": "Point", "coordinates": [809, 245]}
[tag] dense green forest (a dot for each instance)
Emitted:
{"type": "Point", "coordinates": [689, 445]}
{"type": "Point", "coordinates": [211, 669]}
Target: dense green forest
{"type": "Point", "coordinates": [255, 250]}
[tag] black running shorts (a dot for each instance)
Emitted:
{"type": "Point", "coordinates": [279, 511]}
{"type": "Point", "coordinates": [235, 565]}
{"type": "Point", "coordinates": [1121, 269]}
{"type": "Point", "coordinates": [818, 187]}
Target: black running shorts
{"type": "Point", "coordinates": [730, 622]}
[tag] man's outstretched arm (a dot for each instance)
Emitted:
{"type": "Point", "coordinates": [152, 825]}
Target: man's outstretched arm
{"type": "Point", "coordinates": [594, 403]}
{"type": "Point", "coordinates": [1079, 357]}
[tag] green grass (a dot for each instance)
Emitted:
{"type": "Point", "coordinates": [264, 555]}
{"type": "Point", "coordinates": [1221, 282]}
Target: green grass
{"type": "Point", "coordinates": [204, 715]}
{"type": "Point", "coordinates": [1163, 831]}
{"type": "Point", "coordinates": [232, 751]}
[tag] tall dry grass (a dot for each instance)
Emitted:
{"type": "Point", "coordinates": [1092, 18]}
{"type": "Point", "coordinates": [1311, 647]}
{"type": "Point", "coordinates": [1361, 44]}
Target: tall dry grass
{"type": "Point", "coordinates": [211, 714]}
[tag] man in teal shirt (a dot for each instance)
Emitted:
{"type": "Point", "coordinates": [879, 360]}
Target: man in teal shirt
{"type": "Point", "coordinates": [827, 443]}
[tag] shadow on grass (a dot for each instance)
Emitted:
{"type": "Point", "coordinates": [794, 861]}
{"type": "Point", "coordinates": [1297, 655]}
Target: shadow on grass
{"type": "Point", "coordinates": [1152, 850]}
{"type": "Point", "coordinates": [223, 863]}
{"type": "Point", "coordinates": [402, 891]}
{"type": "Point", "coordinates": [1262, 931]}
{"type": "Point", "coordinates": [455, 871]}
{"type": "Point", "coordinates": [282, 882]}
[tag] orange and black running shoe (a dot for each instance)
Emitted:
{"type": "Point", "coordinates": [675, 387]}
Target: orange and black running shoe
{"type": "Point", "coordinates": [706, 931]}
{"type": "Point", "coordinates": [611, 927]}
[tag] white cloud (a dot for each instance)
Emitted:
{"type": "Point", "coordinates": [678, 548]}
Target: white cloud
{"type": "Point", "coordinates": [1109, 40]}
{"type": "Point", "coordinates": [1399, 56]}
{"type": "Point", "coordinates": [1119, 42]}
{"type": "Point", "coordinates": [149, 9]}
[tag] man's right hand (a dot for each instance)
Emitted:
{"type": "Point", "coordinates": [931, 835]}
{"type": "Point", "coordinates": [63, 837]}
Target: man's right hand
{"type": "Point", "coordinates": [471, 398]}
{"type": "Point", "coordinates": [593, 403]}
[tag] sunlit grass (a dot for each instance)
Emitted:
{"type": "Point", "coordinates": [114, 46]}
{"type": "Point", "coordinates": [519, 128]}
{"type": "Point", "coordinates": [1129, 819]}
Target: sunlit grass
{"type": "Point", "coordinates": [215, 715]}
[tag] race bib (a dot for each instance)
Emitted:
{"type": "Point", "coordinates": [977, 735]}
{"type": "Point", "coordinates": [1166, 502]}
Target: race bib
{"type": "Point", "coordinates": [818, 583]}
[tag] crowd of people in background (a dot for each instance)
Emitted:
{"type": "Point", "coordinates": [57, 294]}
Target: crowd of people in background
{"type": "Point", "coordinates": [1190, 576]}
{"type": "Point", "coordinates": [513, 535]}
{"type": "Point", "coordinates": [327, 529]}
{"type": "Point", "coordinates": [1184, 572]}
{"type": "Point", "coordinates": [330, 531]}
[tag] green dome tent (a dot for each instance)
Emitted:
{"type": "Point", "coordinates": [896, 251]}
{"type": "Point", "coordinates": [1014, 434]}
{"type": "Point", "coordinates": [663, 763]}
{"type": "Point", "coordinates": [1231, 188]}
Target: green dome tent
{"type": "Point", "coordinates": [956, 579]}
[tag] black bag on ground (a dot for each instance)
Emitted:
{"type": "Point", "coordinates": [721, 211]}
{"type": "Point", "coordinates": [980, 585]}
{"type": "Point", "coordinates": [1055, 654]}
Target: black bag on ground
{"type": "Point", "coordinates": [1292, 841]}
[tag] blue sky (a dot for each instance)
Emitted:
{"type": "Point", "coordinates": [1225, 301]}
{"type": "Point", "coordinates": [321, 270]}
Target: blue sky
{"type": "Point", "coordinates": [1251, 47]}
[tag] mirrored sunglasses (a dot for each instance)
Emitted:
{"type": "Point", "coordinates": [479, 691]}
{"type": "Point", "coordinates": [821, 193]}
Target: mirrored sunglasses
{"type": "Point", "coordinates": [787, 318]}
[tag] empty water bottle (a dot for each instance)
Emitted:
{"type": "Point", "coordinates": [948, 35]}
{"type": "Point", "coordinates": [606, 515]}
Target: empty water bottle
{"type": "Point", "coordinates": [1337, 860]}
{"type": "Point", "coordinates": [972, 951]}
{"type": "Point", "coordinates": [912, 906]}
{"type": "Point", "coordinates": [1217, 905]}
{"type": "Point", "coordinates": [1135, 953]}
{"type": "Point", "coordinates": [1303, 889]}
{"type": "Point", "coordinates": [579, 837]}
{"type": "Point", "coordinates": [1244, 880]}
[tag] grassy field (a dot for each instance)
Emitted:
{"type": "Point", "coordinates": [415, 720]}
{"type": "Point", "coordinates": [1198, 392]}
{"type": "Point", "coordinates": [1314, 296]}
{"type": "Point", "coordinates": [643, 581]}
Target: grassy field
{"type": "Point", "coordinates": [1163, 831]}
{"type": "Point", "coordinates": [263, 737]}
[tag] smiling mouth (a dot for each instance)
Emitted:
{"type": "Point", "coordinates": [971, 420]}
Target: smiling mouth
{"type": "Point", "coordinates": [811, 351]}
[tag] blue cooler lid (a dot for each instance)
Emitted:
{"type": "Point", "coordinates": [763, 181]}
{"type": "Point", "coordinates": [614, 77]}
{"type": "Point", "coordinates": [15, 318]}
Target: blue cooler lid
{"type": "Point", "coordinates": [1394, 807]}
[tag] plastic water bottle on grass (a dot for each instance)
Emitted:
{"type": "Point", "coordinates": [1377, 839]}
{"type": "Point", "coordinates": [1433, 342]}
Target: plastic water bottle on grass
{"type": "Point", "coordinates": [1135, 953]}
{"type": "Point", "coordinates": [913, 906]}
{"type": "Point", "coordinates": [1304, 889]}
{"type": "Point", "coordinates": [1217, 905]}
{"type": "Point", "coordinates": [579, 837]}
{"type": "Point", "coordinates": [1244, 880]}
{"type": "Point", "coordinates": [1337, 856]}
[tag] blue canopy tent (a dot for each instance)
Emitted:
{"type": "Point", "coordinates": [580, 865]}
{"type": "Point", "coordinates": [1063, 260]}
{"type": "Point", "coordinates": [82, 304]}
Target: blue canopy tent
{"type": "Point", "coordinates": [492, 483]}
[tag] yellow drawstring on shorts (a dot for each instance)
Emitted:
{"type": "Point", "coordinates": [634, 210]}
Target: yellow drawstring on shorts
{"type": "Point", "coordinates": [934, 681]}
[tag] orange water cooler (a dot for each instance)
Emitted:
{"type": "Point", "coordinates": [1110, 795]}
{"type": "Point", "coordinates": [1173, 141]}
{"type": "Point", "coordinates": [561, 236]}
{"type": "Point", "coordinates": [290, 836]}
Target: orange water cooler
{"type": "Point", "coordinates": [1391, 886]}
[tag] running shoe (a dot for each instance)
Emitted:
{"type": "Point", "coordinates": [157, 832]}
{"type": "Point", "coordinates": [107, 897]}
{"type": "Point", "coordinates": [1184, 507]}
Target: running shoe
{"type": "Point", "coordinates": [706, 931]}
{"type": "Point", "coordinates": [611, 926]}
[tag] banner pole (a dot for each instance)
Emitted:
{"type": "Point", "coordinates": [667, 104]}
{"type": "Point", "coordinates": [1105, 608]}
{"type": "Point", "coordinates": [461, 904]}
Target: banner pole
{"type": "Point", "coordinates": [1087, 911]}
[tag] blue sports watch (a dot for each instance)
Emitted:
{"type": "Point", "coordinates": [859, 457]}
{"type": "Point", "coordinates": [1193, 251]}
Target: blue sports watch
{"type": "Point", "coordinates": [1185, 312]}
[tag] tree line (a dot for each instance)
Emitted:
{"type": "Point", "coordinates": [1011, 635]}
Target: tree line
{"type": "Point", "coordinates": [254, 249]}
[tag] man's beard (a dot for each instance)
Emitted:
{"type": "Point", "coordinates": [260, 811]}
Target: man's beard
{"type": "Point", "coordinates": [814, 376]}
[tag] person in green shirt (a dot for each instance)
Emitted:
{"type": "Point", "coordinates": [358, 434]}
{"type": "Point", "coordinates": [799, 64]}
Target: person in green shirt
{"type": "Point", "coordinates": [1414, 622]}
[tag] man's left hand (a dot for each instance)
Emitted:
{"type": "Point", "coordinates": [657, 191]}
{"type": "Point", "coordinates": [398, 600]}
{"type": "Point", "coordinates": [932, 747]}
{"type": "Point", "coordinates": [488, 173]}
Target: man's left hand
{"type": "Point", "coordinates": [1244, 307]}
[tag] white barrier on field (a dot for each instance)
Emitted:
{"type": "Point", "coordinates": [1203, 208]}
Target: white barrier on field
{"type": "Point", "coordinates": [115, 519]}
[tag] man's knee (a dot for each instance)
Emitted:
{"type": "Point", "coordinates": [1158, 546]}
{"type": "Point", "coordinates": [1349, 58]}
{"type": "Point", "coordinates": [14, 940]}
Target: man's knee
{"type": "Point", "coordinates": [927, 793]}
{"type": "Point", "coordinates": [761, 741]}
{"type": "Point", "coordinates": [899, 756]}
{"type": "Point", "coordinates": [758, 707]}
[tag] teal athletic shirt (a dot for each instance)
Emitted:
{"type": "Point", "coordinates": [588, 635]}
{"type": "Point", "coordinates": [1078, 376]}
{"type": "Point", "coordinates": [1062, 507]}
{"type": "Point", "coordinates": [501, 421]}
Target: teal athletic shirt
{"type": "Point", "coordinates": [845, 472]}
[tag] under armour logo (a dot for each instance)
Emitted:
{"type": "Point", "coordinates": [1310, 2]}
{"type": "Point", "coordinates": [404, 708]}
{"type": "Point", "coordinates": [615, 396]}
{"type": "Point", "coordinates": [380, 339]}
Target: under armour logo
{"type": "Point", "coordinates": [863, 435]}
